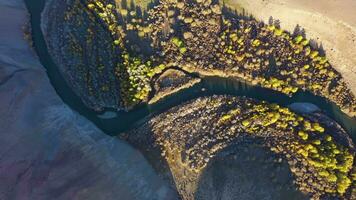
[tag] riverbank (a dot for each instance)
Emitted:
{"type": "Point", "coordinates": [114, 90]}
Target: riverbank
{"type": "Point", "coordinates": [189, 136]}
{"type": "Point", "coordinates": [48, 150]}
{"type": "Point", "coordinates": [125, 120]}
{"type": "Point", "coordinates": [330, 23]}
{"type": "Point", "coordinates": [232, 74]}
{"type": "Point", "coordinates": [264, 55]}
{"type": "Point", "coordinates": [170, 82]}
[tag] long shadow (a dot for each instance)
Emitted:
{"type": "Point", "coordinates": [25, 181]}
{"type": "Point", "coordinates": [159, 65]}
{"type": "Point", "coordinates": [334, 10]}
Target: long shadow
{"type": "Point", "coordinates": [72, 100]}
{"type": "Point", "coordinates": [247, 170]}
{"type": "Point", "coordinates": [135, 44]}
{"type": "Point", "coordinates": [331, 109]}
{"type": "Point", "coordinates": [55, 76]}
{"type": "Point", "coordinates": [142, 139]}
{"type": "Point", "coordinates": [218, 85]}
{"type": "Point", "coordinates": [298, 30]}
{"type": "Point", "coordinates": [213, 85]}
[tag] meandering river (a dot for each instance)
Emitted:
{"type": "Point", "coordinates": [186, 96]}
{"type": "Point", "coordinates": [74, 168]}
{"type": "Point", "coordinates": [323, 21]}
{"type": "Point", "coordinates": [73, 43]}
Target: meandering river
{"type": "Point", "coordinates": [118, 122]}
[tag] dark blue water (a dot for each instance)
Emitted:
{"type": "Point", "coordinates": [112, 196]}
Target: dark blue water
{"type": "Point", "coordinates": [212, 85]}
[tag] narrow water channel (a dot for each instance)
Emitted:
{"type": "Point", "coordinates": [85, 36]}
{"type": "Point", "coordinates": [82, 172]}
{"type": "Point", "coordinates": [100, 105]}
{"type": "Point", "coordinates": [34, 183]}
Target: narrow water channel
{"type": "Point", "coordinates": [212, 85]}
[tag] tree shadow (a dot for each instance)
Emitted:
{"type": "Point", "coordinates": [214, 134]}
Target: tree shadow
{"type": "Point", "coordinates": [142, 139]}
{"type": "Point", "coordinates": [234, 15]}
{"type": "Point", "coordinates": [123, 4]}
{"type": "Point", "coordinates": [130, 17]}
{"type": "Point", "coordinates": [152, 4]}
{"type": "Point", "coordinates": [247, 170]}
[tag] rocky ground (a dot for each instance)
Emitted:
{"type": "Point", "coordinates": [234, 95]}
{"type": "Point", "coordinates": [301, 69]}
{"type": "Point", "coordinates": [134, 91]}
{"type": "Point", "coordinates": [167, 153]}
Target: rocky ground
{"type": "Point", "coordinates": [330, 23]}
{"type": "Point", "coordinates": [247, 171]}
{"type": "Point", "coordinates": [201, 147]}
{"type": "Point", "coordinates": [83, 48]}
{"type": "Point", "coordinates": [171, 81]}
{"type": "Point", "coordinates": [197, 36]}
{"type": "Point", "coordinates": [47, 150]}
{"type": "Point", "coordinates": [190, 136]}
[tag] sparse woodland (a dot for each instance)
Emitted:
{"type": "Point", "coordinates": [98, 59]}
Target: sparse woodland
{"type": "Point", "coordinates": [205, 37]}
{"type": "Point", "coordinates": [125, 46]}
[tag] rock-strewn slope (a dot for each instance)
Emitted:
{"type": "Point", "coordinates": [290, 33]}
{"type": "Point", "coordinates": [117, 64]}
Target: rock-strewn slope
{"type": "Point", "coordinates": [319, 152]}
{"type": "Point", "coordinates": [198, 36]}
{"type": "Point", "coordinates": [171, 81]}
{"type": "Point", "coordinates": [331, 23]}
{"type": "Point", "coordinates": [212, 40]}
{"type": "Point", "coordinates": [83, 48]}
{"type": "Point", "coordinates": [49, 151]}
{"type": "Point", "coordinates": [247, 171]}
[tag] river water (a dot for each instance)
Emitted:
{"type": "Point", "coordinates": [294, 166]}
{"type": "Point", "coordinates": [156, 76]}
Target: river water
{"type": "Point", "coordinates": [211, 85]}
